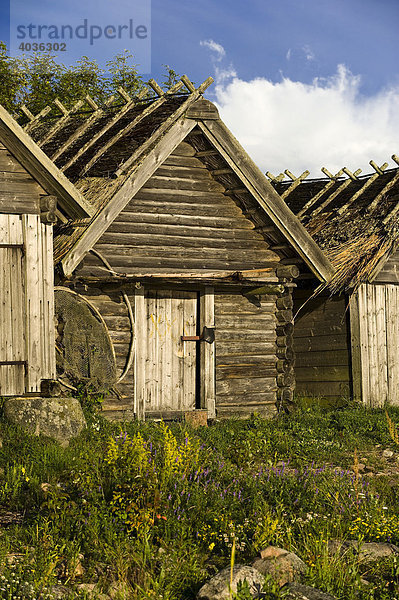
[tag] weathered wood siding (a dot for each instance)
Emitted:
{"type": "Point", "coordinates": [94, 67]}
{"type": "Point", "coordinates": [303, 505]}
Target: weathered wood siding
{"type": "Point", "coordinates": [245, 355]}
{"type": "Point", "coordinates": [375, 342]}
{"type": "Point", "coordinates": [181, 220]}
{"type": "Point", "coordinates": [390, 271]}
{"type": "Point", "coordinates": [321, 346]}
{"type": "Point", "coordinates": [19, 192]}
{"type": "Point", "coordinates": [26, 304]}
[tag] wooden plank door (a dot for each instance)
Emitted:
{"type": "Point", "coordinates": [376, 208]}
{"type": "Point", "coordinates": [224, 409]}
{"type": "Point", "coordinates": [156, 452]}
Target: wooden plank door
{"type": "Point", "coordinates": [165, 366]}
{"type": "Point", "coordinates": [12, 307]}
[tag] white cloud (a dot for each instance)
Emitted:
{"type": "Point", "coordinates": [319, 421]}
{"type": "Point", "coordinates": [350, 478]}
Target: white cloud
{"type": "Point", "coordinates": [288, 55]}
{"type": "Point", "coordinates": [217, 49]}
{"type": "Point", "coordinates": [301, 126]}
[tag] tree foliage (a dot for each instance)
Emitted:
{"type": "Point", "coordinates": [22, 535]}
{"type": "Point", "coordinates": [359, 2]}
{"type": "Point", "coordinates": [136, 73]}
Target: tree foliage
{"type": "Point", "coordinates": [38, 79]}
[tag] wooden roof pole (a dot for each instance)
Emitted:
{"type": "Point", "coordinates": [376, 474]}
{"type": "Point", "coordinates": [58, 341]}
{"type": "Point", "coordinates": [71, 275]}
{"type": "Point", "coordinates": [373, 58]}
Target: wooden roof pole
{"type": "Point", "coordinates": [324, 190]}
{"type": "Point", "coordinates": [98, 112]}
{"type": "Point", "coordinates": [103, 149]}
{"type": "Point", "coordinates": [121, 113]}
{"type": "Point", "coordinates": [341, 188]}
{"type": "Point", "coordinates": [61, 121]}
{"type": "Point", "coordinates": [379, 171]}
{"type": "Point", "coordinates": [296, 181]}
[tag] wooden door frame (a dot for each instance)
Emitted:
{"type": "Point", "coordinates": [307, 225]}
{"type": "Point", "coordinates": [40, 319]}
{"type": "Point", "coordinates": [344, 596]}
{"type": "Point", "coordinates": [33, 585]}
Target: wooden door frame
{"type": "Point", "coordinates": [206, 351]}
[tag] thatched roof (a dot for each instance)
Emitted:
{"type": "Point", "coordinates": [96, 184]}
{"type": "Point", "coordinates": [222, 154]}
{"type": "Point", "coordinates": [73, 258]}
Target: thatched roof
{"type": "Point", "coordinates": [353, 219]}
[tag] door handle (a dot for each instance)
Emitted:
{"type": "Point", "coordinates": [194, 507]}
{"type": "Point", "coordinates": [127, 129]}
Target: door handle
{"type": "Point", "coordinates": [207, 335]}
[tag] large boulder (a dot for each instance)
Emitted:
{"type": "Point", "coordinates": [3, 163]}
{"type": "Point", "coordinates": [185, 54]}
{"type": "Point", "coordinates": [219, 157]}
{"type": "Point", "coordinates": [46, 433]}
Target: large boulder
{"type": "Point", "coordinates": [283, 566]}
{"type": "Point", "coordinates": [217, 588]}
{"type": "Point", "coordinates": [59, 418]}
{"type": "Point", "coordinates": [367, 552]}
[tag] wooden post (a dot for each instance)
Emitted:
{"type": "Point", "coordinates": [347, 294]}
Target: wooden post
{"type": "Point", "coordinates": [140, 353]}
{"type": "Point", "coordinates": [207, 357]}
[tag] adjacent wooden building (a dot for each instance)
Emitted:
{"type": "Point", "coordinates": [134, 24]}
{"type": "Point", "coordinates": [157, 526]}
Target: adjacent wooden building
{"type": "Point", "coordinates": [347, 333]}
{"type": "Point", "coordinates": [175, 259]}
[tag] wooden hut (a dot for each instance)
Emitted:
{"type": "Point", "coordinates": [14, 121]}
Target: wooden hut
{"type": "Point", "coordinates": [29, 188]}
{"type": "Point", "coordinates": [186, 262]}
{"type": "Point", "coordinates": [346, 333]}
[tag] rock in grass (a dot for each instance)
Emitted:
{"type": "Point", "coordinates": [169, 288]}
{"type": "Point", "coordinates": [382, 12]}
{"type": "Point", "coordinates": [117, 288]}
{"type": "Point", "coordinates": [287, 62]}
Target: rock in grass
{"type": "Point", "coordinates": [283, 566]}
{"type": "Point", "coordinates": [217, 588]}
{"type": "Point", "coordinates": [59, 418]}
{"type": "Point", "coordinates": [297, 591]}
{"type": "Point", "coordinates": [368, 552]}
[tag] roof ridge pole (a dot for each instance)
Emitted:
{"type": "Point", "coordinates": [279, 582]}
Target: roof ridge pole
{"type": "Point", "coordinates": [329, 184]}
{"type": "Point", "coordinates": [341, 188]}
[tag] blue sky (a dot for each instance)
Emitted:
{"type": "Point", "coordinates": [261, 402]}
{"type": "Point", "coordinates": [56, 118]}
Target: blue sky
{"type": "Point", "coordinates": [321, 61]}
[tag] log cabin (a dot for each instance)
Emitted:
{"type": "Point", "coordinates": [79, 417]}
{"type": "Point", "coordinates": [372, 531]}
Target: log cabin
{"type": "Point", "coordinates": [174, 257]}
{"type": "Point", "coordinates": [347, 332]}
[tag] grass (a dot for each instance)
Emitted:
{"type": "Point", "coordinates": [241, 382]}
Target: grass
{"type": "Point", "coordinates": [158, 509]}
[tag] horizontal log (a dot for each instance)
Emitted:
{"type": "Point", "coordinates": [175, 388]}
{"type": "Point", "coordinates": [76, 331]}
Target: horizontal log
{"type": "Point", "coordinates": [324, 389]}
{"type": "Point", "coordinates": [322, 358]}
{"type": "Point", "coordinates": [19, 204]}
{"type": "Point", "coordinates": [134, 260]}
{"type": "Point", "coordinates": [168, 194]}
{"type": "Point", "coordinates": [241, 348]}
{"type": "Point", "coordinates": [191, 208]}
{"type": "Point", "coordinates": [326, 342]}
{"type": "Point", "coordinates": [246, 361]}
{"type": "Point", "coordinates": [184, 149]}
{"type": "Point", "coordinates": [328, 373]}
{"type": "Point", "coordinates": [182, 183]}
{"type": "Point", "coordinates": [238, 387]}
{"type": "Point", "coordinates": [188, 171]}
{"type": "Point", "coordinates": [157, 219]}
{"type": "Point", "coordinates": [183, 161]}
{"type": "Point", "coordinates": [9, 164]}
{"type": "Point", "coordinates": [288, 271]}
{"type": "Point", "coordinates": [183, 237]}
{"type": "Point", "coordinates": [242, 334]}
{"type": "Point", "coordinates": [245, 371]}
{"type": "Point", "coordinates": [265, 290]}
{"type": "Point", "coordinates": [319, 330]}
{"type": "Point", "coordinates": [247, 322]}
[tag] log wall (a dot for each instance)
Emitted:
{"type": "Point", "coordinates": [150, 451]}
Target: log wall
{"type": "Point", "coordinates": [181, 220]}
{"type": "Point", "coordinates": [19, 192]}
{"type": "Point", "coordinates": [322, 346]}
{"type": "Point", "coordinates": [245, 355]}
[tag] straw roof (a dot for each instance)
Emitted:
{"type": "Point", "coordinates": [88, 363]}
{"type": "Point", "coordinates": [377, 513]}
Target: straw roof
{"type": "Point", "coordinates": [354, 219]}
